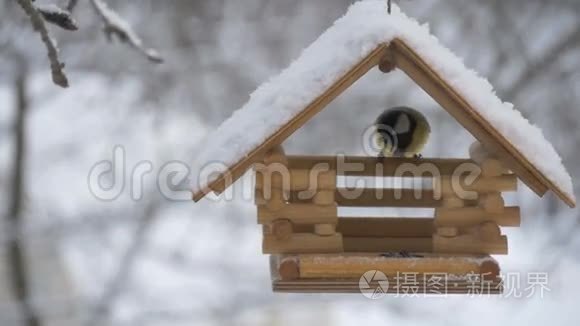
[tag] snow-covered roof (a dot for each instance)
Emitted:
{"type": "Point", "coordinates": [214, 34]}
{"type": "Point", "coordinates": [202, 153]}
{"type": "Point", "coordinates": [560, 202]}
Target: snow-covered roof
{"type": "Point", "coordinates": [345, 44]}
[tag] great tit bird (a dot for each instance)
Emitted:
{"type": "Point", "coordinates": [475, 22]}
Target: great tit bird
{"type": "Point", "coordinates": [401, 132]}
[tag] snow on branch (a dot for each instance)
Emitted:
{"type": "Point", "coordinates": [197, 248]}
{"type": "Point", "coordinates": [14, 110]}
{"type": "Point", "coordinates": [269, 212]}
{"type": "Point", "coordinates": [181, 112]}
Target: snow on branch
{"type": "Point", "coordinates": [55, 15]}
{"type": "Point", "coordinates": [116, 25]}
{"type": "Point", "coordinates": [56, 66]}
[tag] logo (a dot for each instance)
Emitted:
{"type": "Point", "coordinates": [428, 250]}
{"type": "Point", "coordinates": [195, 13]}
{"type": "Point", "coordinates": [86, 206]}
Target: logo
{"type": "Point", "coordinates": [373, 284]}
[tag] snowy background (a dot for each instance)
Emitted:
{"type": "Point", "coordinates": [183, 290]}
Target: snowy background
{"type": "Point", "coordinates": [158, 262]}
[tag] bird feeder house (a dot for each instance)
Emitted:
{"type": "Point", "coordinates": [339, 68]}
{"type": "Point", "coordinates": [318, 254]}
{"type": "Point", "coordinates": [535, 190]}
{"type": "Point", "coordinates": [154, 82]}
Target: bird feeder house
{"type": "Point", "coordinates": [313, 248]}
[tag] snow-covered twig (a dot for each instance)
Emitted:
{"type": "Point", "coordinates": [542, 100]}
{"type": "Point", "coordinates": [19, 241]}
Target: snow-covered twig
{"type": "Point", "coordinates": [116, 25]}
{"type": "Point", "coordinates": [58, 16]}
{"type": "Point", "coordinates": [56, 66]}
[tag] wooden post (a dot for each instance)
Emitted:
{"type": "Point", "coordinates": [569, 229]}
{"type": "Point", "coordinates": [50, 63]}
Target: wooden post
{"type": "Point", "coordinates": [325, 197]}
{"type": "Point", "coordinates": [279, 191]}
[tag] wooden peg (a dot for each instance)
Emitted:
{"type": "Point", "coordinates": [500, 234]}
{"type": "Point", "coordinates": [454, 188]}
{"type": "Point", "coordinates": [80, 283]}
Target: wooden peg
{"type": "Point", "coordinates": [289, 269]}
{"type": "Point", "coordinates": [282, 229]}
{"type": "Point", "coordinates": [492, 203]}
{"type": "Point", "coordinates": [324, 229]}
{"type": "Point", "coordinates": [387, 64]}
{"type": "Point", "coordinates": [489, 231]}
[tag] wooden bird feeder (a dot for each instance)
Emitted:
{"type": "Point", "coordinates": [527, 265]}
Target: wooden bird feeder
{"type": "Point", "coordinates": [313, 249]}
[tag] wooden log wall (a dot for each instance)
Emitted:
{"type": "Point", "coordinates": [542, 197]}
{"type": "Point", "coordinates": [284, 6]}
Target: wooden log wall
{"type": "Point", "coordinates": [280, 215]}
{"type": "Point", "coordinates": [476, 229]}
{"type": "Point", "coordinates": [301, 216]}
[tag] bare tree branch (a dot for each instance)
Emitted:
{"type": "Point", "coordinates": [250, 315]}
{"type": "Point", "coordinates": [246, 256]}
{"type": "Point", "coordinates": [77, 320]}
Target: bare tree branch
{"type": "Point", "coordinates": [16, 256]}
{"type": "Point", "coordinates": [56, 66]}
{"type": "Point", "coordinates": [55, 15]}
{"type": "Point", "coordinates": [116, 25]}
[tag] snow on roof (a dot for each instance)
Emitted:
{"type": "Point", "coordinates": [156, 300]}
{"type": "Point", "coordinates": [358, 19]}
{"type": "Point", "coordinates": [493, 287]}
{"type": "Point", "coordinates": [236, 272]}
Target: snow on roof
{"type": "Point", "coordinates": [350, 39]}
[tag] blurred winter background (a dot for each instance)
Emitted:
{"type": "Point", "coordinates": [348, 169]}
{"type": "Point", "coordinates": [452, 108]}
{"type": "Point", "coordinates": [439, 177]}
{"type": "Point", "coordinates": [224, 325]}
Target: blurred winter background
{"type": "Point", "coordinates": [68, 258]}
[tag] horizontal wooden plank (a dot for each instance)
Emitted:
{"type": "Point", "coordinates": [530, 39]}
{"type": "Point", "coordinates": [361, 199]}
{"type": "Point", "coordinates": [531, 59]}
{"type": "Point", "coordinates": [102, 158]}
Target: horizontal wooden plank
{"type": "Point", "coordinates": [385, 227]}
{"type": "Point", "coordinates": [299, 214]}
{"type": "Point", "coordinates": [387, 244]}
{"type": "Point", "coordinates": [373, 166]}
{"type": "Point", "coordinates": [452, 287]}
{"type": "Point", "coordinates": [295, 179]}
{"type": "Point", "coordinates": [503, 183]}
{"type": "Point", "coordinates": [302, 243]}
{"type": "Point", "coordinates": [470, 216]}
{"type": "Point", "coordinates": [371, 197]}
{"type": "Point", "coordinates": [470, 244]}
{"type": "Point", "coordinates": [344, 266]}
{"type": "Point", "coordinates": [378, 227]}
{"type": "Point", "coordinates": [386, 198]}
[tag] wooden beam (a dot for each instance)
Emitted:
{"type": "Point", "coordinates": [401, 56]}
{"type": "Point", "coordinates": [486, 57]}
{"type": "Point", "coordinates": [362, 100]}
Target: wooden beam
{"type": "Point", "coordinates": [301, 180]}
{"type": "Point", "coordinates": [373, 198]}
{"type": "Point", "coordinates": [348, 79]}
{"type": "Point", "coordinates": [385, 227]}
{"type": "Point", "coordinates": [299, 214]}
{"type": "Point", "coordinates": [369, 244]}
{"type": "Point", "coordinates": [339, 286]}
{"type": "Point", "coordinates": [302, 243]}
{"type": "Point", "coordinates": [373, 166]}
{"type": "Point", "coordinates": [502, 183]}
{"type": "Point", "coordinates": [470, 244]}
{"type": "Point", "coordinates": [470, 216]}
{"type": "Point", "coordinates": [352, 266]}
